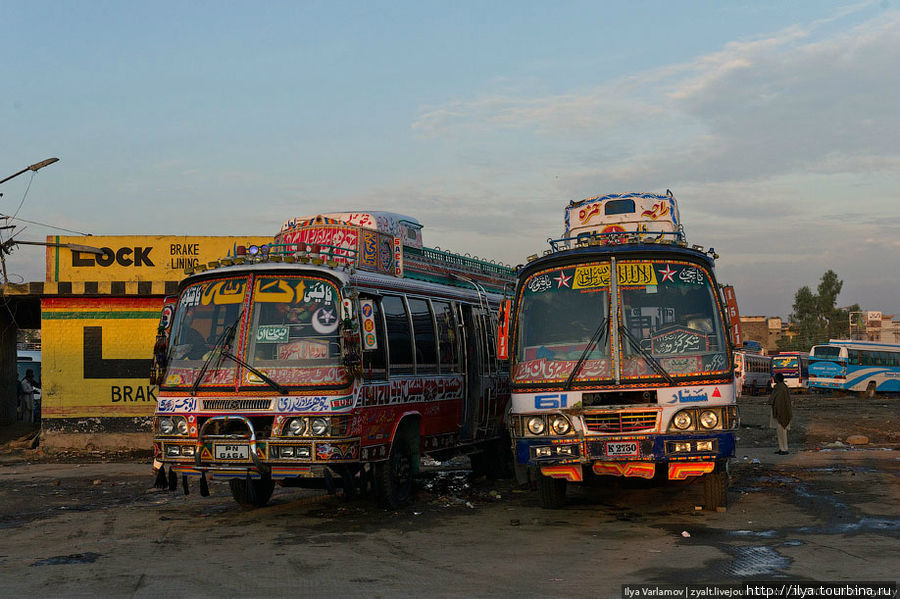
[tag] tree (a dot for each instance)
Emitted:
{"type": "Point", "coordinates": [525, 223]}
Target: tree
{"type": "Point", "coordinates": [816, 317]}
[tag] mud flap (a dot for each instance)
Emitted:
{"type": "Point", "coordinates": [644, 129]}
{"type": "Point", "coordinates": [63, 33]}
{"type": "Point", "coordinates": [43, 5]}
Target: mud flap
{"type": "Point", "coordinates": [160, 482]}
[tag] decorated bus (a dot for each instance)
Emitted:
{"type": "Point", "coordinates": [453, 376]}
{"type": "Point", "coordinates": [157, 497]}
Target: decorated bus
{"type": "Point", "coordinates": [332, 357]}
{"type": "Point", "coordinates": [794, 367]}
{"type": "Point", "coordinates": [620, 359]}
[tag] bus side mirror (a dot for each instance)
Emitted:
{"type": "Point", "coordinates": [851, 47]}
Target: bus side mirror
{"type": "Point", "coordinates": [503, 330]}
{"type": "Point", "coordinates": [161, 346]}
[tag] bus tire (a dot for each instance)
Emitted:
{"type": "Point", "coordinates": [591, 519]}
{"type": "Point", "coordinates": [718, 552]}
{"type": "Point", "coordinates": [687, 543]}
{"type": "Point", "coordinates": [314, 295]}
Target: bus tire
{"type": "Point", "coordinates": [870, 390]}
{"type": "Point", "coordinates": [715, 487]}
{"type": "Point", "coordinates": [394, 476]}
{"type": "Point", "coordinates": [252, 492]}
{"type": "Point", "coordinates": [552, 492]}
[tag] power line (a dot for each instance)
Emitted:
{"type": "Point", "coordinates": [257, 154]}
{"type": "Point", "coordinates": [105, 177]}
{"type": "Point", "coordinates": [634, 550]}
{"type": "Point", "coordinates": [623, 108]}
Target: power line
{"type": "Point", "coordinates": [34, 222]}
{"type": "Point", "coordinates": [24, 195]}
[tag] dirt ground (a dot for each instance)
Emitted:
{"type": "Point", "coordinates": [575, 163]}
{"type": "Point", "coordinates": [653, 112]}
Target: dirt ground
{"type": "Point", "coordinates": [91, 525]}
{"type": "Point", "coordinates": [823, 421]}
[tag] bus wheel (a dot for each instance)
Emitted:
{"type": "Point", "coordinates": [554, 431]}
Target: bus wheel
{"type": "Point", "coordinates": [394, 476]}
{"type": "Point", "coordinates": [870, 390]}
{"type": "Point", "coordinates": [250, 492]}
{"type": "Point", "coordinates": [715, 487]}
{"type": "Point", "coordinates": [552, 492]}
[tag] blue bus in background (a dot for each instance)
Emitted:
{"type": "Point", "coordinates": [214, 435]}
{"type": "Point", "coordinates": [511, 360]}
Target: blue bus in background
{"type": "Point", "coordinates": [862, 367]}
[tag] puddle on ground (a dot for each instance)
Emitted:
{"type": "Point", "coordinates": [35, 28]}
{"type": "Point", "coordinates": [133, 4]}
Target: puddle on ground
{"type": "Point", "coordinates": [76, 558]}
{"type": "Point", "coordinates": [754, 561]}
{"type": "Point", "coordinates": [766, 534]}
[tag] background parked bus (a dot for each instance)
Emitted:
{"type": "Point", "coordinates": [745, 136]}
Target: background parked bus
{"type": "Point", "coordinates": [752, 373]}
{"type": "Point", "coordinates": [794, 366]}
{"type": "Point", "coordinates": [861, 367]}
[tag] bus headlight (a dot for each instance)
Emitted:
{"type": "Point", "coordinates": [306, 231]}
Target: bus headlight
{"type": "Point", "coordinates": [182, 426]}
{"type": "Point", "coordinates": [708, 419]}
{"type": "Point", "coordinates": [318, 426]}
{"type": "Point", "coordinates": [166, 426]}
{"type": "Point", "coordinates": [682, 420]}
{"type": "Point", "coordinates": [297, 426]}
{"type": "Point", "coordinates": [535, 425]}
{"type": "Point", "coordinates": [560, 425]}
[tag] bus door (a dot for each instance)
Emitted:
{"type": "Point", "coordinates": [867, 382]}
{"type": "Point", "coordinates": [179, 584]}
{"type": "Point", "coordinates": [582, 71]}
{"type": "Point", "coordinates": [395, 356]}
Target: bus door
{"type": "Point", "coordinates": [473, 354]}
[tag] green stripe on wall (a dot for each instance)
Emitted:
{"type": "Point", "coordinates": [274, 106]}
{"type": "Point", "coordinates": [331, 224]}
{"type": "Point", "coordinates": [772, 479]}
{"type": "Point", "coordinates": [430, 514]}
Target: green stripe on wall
{"type": "Point", "coordinates": [97, 315]}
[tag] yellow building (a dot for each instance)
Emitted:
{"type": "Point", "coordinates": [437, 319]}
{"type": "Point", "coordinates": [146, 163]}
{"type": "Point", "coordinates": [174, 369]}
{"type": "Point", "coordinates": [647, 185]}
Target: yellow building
{"type": "Point", "coordinates": [99, 313]}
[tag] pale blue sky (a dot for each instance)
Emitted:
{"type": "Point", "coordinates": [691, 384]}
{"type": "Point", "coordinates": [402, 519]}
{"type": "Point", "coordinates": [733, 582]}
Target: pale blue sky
{"type": "Point", "coordinates": [776, 124]}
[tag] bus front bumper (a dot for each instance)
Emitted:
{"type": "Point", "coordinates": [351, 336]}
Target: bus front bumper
{"type": "Point", "coordinates": [277, 458]}
{"type": "Point", "coordinates": [639, 456]}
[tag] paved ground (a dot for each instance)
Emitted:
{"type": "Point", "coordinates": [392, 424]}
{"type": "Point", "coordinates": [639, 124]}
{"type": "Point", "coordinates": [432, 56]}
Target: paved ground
{"type": "Point", "coordinates": [95, 529]}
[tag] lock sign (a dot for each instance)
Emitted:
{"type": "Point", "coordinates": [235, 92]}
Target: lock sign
{"type": "Point", "coordinates": [126, 256]}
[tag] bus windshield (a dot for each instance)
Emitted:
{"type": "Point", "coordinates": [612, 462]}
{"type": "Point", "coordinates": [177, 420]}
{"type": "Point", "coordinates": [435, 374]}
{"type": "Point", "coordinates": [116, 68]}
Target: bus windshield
{"type": "Point", "coordinates": [294, 331]}
{"type": "Point", "coordinates": [557, 323]}
{"type": "Point", "coordinates": [292, 337]}
{"type": "Point", "coordinates": [668, 323]}
{"type": "Point", "coordinates": [827, 351]}
{"type": "Point", "coordinates": [784, 363]}
{"type": "Point", "coordinates": [669, 316]}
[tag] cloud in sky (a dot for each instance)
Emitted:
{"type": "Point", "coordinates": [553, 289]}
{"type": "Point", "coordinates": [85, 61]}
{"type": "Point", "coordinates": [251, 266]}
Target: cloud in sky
{"type": "Point", "coordinates": [783, 151]}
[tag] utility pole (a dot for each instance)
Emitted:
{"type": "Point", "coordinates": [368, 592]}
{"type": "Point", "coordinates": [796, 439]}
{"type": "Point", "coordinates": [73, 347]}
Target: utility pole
{"type": "Point", "coordinates": [5, 246]}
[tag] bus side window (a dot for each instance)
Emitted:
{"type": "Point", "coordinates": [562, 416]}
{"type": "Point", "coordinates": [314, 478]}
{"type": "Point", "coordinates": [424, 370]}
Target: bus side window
{"type": "Point", "coordinates": [448, 338]}
{"type": "Point", "coordinates": [423, 327]}
{"type": "Point", "coordinates": [491, 329]}
{"type": "Point", "coordinates": [373, 360]}
{"type": "Point", "coordinates": [398, 334]}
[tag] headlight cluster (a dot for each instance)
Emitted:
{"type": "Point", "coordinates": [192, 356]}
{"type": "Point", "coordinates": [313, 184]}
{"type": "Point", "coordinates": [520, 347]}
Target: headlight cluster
{"type": "Point", "coordinates": [539, 425]}
{"type": "Point", "coordinates": [315, 426]}
{"type": "Point", "coordinates": [704, 419]}
{"type": "Point", "coordinates": [290, 451]}
{"type": "Point", "coordinates": [175, 451]}
{"type": "Point", "coordinates": [172, 425]}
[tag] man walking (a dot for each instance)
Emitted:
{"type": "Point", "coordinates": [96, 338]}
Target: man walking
{"type": "Point", "coordinates": [781, 412]}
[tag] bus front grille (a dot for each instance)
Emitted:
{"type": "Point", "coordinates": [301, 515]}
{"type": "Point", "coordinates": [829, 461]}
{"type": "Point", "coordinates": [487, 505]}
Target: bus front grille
{"type": "Point", "coordinates": [620, 422]}
{"type": "Point", "coordinates": [236, 405]}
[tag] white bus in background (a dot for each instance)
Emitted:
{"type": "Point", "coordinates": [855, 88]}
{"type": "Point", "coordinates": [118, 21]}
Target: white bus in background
{"type": "Point", "coordinates": [752, 373]}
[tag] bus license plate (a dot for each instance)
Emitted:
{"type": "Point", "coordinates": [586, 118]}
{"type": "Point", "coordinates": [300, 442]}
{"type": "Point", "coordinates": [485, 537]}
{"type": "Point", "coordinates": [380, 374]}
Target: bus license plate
{"type": "Point", "coordinates": [622, 448]}
{"type": "Point", "coordinates": [232, 452]}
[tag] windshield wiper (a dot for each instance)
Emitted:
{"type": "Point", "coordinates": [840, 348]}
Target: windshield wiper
{"type": "Point", "coordinates": [647, 356]}
{"type": "Point", "coordinates": [278, 387]}
{"type": "Point", "coordinates": [224, 338]}
{"type": "Point", "coordinates": [595, 338]}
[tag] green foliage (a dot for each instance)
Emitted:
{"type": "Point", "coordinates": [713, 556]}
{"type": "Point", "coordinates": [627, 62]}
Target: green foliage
{"type": "Point", "coordinates": [816, 317]}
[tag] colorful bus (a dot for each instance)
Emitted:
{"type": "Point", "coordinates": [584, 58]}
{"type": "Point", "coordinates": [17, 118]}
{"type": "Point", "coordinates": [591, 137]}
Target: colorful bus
{"type": "Point", "coordinates": [794, 366]}
{"type": "Point", "coordinates": [620, 358]}
{"type": "Point", "coordinates": [334, 356]}
{"type": "Point", "coordinates": [861, 367]}
{"type": "Point", "coordinates": [752, 373]}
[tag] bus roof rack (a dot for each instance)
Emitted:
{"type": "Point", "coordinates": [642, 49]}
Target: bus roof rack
{"type": "Point", "coordinates": [380, 242]}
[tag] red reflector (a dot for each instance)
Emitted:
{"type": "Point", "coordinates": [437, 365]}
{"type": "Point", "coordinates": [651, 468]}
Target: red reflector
{"type": "Point", "coordinates": [240, 250]}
